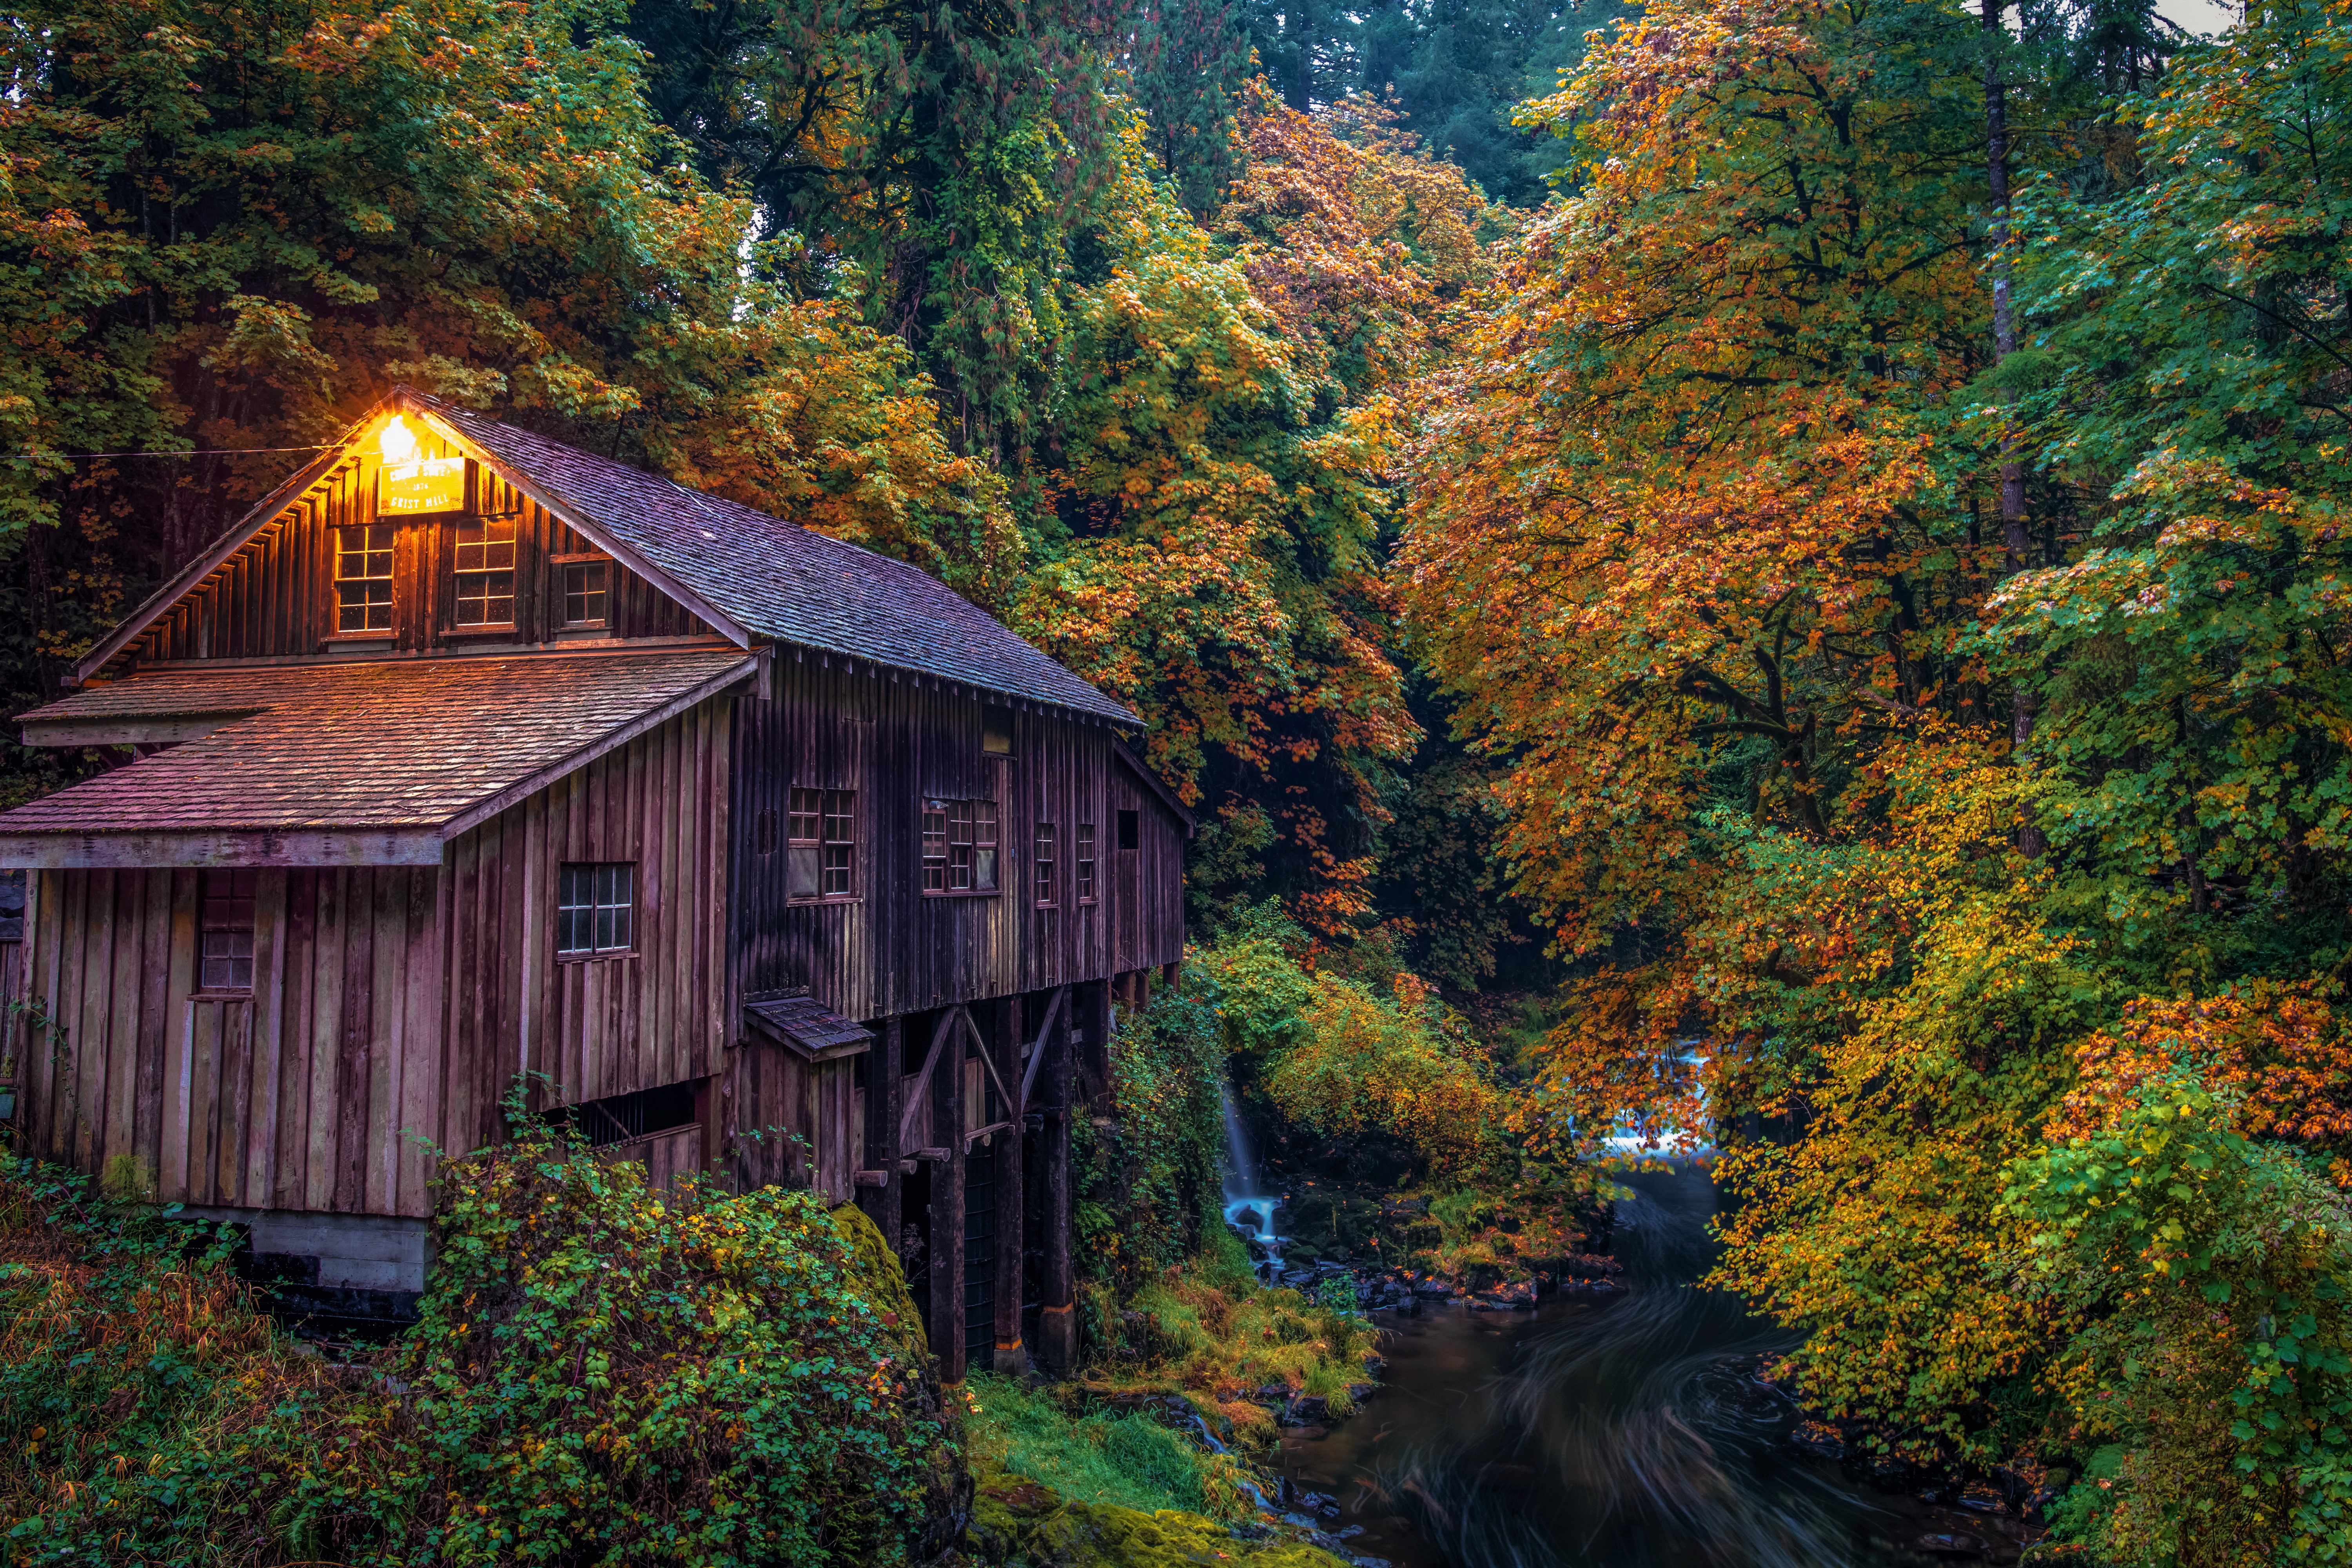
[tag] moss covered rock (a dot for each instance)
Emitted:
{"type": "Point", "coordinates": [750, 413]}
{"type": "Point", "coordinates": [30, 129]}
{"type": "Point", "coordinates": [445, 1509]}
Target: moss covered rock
{"type": "Point", "coordinates": [1017, 1524]}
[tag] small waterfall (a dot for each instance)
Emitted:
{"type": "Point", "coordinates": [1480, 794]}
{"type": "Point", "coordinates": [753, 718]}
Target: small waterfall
{"type": "Point", "coordinates": [1248, 1209]}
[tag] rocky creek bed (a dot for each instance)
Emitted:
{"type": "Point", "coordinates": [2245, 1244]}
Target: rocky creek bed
{"type": "Point", "coordinates": [1619, 1418]}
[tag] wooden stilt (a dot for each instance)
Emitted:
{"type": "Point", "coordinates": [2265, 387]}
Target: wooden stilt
{"type": "Point", "coordinates": [947, 1215]}
{"type": "Point", "coordinates": [1097, 1072]}
{"type": "Point", "coordinates": [1012, 1356]}
{"type": "Point", "coordinates": [886, 1085]}
{"type": "Point", "coordinates": [1058, 1324]}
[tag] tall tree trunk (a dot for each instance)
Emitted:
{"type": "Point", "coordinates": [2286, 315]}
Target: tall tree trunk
{"type": "Point", "coordinates": [2014, 541]}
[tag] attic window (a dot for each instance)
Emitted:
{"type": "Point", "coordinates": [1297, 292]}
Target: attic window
{"type": "Point", "coordinates": [363, 577]}
{"type": "Point", "coordinates": [485, 558]}
{"type": "Point", "coordinates": [584, 593]}
{"type": "Point", "coordinates": [996, 731]}
{"type": "Point", "coordinates": [1131, 831]}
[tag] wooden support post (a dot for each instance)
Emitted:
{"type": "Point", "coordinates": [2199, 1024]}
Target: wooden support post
{"type": "Point", "coordinates": [1012, 1357]}
{"type": "Point", "coordinates": [1142, 981]}
{"type": "Point", "coordinates": [947, 1212]}
{"type": "Point", "coordinates": [1098, 1055]}
{"type": "Point", "coordinates": [886, 1083]}
{"type": "Point", "coordinates": [1170, 972]}
{"type": "Point", "coordinates": [707, 1103]}
{"type": "Point", "coordinates": [1058, 1324]}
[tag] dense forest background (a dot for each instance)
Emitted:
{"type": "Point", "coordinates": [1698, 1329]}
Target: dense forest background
{"type": "Point", "coordinates": [1806, 536]}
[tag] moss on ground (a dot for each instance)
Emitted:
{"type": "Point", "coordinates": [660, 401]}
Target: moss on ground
{"type": "Point", "coordinates": [1017, 1523]}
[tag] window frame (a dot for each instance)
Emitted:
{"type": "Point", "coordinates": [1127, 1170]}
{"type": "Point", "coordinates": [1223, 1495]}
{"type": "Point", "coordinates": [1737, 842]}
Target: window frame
{"type": "Point", "coordinates": [1042, 860]}
{"type": "Point", "coordinates": [227, 886]}
{"type": "Point", "coordinates": [365, 553]}
{"type": "Point", "coordinates": [968, 867]}
{"type": "Point", "coordinates": [821, 823]}
{"type": "Point", "coordinates": [567, 909]}
{"type": "Point", "coordinates": [560, 590]}
{"type": "Point", "coordinates": [486, 574]}
{"type": "Point", "coordinates": [1085, 856]}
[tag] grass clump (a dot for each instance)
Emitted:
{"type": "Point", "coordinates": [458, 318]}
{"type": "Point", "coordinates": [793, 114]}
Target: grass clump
{"type": "Point", "coordinates": [1100, 1457]}
{"type": "Point", "coordinates": [1209, 1331]}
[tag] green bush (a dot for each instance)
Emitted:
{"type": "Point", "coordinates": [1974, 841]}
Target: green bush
{"type": "Point", "coordinates": [599, 1375]}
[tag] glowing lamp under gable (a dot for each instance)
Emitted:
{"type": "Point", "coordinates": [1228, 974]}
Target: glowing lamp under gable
{"type": "Point", "coordinates": [411, 482]}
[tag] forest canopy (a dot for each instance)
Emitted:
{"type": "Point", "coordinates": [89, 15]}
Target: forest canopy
{"type": "Point", "coordinates": [1806, 535]}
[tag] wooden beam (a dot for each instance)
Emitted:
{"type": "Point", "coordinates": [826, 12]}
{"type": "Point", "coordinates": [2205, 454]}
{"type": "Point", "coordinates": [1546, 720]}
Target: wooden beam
{"type": "Point", "coordinates": [916, 1097]}
{"type": "Point", "coordinates": [1038, 1051]}
{"type": "Point", "coordinates": [412, 846]}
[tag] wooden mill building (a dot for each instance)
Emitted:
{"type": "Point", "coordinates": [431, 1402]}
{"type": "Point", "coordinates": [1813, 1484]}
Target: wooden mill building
{"type": "Point", "coordinates": [468, 755]}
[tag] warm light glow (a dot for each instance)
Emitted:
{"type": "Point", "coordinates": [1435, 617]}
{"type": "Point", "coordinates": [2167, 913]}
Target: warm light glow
{"type": "Point", "coordinates": [399, 446]}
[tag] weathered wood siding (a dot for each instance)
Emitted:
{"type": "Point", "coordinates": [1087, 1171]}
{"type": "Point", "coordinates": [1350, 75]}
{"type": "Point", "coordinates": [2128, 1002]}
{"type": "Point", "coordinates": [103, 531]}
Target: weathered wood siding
{"type": "Point", "coordinates": [607, 1025]}
{"type": "Point", "coordinates": [296, 1096]}
{"type": "Point", "coordinates": [892, 949]}
{"type": "Point", "coordinates": [776, 1098]}
{"type": "Point", "coordinates": [276, 597]}
{"type": "Point", "coordinates": [386, 1000]}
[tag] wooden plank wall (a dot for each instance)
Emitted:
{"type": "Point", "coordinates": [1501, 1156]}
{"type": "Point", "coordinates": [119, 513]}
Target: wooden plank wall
{"type": "Point", "coordinates": [777, 1097]}
{"type": "Point", "coordinates": [296, 1096]}
{"type": "Point", "coordinates": [891, 951]}
{"type": "Point", "coordinates": [276, 597]}
{"type": "Point", "coordinates": [605, 1025]}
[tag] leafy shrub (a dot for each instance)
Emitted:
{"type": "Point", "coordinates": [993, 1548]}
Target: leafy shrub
{"type": "Point", "coordinates": [599, 1375]}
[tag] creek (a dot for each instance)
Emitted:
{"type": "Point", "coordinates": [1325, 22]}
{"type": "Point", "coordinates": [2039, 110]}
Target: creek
{"type": "Point", "coordinates": [1626, 1430]}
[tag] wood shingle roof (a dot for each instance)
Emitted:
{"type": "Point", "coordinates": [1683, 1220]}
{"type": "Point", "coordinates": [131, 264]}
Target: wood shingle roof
{"type": "Point", "coordinates": [779, 579]}
{"type": "Point", "coordinates": [351, 762]}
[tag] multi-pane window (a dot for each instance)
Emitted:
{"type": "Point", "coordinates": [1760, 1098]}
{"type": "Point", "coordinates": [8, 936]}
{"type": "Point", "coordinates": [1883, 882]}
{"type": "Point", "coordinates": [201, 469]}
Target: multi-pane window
{"type": "Point", "coordinates": [1085, 862]}
{"type": "Point", "coordinates": [959, 846]}
{"type": "Point", "coordinates": [485, 558]}
{"type": "Point", "coordinates": [824, 844]}
{"type": "Point", "coordinates": [1044, 863]}
{"type": "Point", "coordinates": [363, 577]}
{"type": "Point", "coordinates": [584, 591]}
{"type": "Point", "coordinates": [225, 956]}
{"type": "Point", "coordinates": [595, 908]}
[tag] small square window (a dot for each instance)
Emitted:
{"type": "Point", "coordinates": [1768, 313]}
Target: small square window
{"type": "Point", "coordinates": [596, 909]}
{"type": "Point", "coordinates": [1086, 858]}
{"type": "Point", "coordinates": [584, 594]}
{"type": "Point", "coordinates": [824, 844]}
{"type": "Point", "coordinates": [226, 926]}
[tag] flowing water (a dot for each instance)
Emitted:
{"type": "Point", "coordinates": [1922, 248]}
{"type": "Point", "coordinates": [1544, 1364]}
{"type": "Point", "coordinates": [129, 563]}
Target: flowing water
{"type": "Point", "coordinates": [1620, 1431]}
{"type": "Point", "coordinates": [1247, 1208]}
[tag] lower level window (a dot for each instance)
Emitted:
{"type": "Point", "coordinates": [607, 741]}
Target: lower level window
{"type": "Point", "coordinates": [823, 843]}
{"type": "Point", "coordinates": [225, 959]}
{"type": "Point", "coordinates": [595, 908]}
{"type": "Point", "coordinates": [959, 846]}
